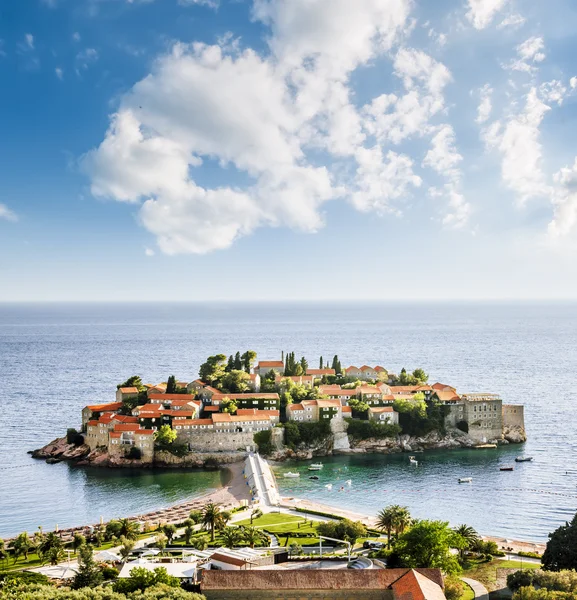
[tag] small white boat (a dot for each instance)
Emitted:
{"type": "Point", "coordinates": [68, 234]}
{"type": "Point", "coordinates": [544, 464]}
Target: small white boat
{"type": "Point", "coordinates": [291, 474]}
{"type": "Point", "coordinates": [329, 486]}
{"type": "Point", "coordinates": [413, 460]}
{"type": "Point", "coordinates": [465, 479]}
{"type": "Point", "coordinates": [524, 459]}
{"type": "Point", "coordinates": [315, 467]}
{"type": "Point", "coordinates": [349, 482]}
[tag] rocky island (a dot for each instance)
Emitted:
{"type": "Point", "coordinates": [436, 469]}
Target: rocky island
{"type": "Point", "coordinates": [287, 410]}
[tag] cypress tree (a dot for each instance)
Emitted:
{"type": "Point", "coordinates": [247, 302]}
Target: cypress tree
{"type": "Point", "coordinates": [171, 385]}
{"type": "Point", "coordinates": [304, 365]}
{"type": "Point", "coordinates": [237, 362]}
{"type": "Point", "coordinates": [321, 363]}
{"type": "Point", "coordinates": [230, 364]}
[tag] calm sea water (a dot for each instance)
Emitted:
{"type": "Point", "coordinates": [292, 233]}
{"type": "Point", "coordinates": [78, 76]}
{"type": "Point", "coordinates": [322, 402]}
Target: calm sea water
{"type": "Point", "coordinates": [54, 359]}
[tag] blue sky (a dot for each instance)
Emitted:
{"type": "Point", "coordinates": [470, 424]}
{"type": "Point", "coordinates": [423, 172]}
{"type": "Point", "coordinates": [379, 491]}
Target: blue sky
{"type": "Point", "coordinates": [276, 149]}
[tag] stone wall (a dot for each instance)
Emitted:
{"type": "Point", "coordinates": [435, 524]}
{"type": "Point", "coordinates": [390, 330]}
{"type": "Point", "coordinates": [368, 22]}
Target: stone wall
{"type": "Point", "coordinates": [514, 416]}
{"type": "Point", "coordinates": [212, 441]}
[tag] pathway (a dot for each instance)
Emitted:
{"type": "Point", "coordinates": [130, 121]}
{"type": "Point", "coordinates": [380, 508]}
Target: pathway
{"type": "Point", "coordinates": [481, 592]}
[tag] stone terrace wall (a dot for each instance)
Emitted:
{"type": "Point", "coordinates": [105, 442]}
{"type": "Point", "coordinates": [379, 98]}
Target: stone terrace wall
{"type": "Point", "coordinates": [514, 415]}
{"type": "Point", "coordinates": [211, 441]}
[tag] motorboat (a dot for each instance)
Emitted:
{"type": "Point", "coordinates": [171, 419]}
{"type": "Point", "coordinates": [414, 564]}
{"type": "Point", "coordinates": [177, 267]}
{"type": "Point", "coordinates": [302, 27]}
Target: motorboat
{"type": "Point", "coordinates": [314, 477]}
{"type": "Point", "coordinates": [506, 468]}
{"type": "Point", "coordinates": [465, 479]}
{"type": "Point", "coordinates": [291, 474]}
{"type": "Point", "coordinates": [524, 459]}
{"type": "Point", "coordinates": [315, 466]}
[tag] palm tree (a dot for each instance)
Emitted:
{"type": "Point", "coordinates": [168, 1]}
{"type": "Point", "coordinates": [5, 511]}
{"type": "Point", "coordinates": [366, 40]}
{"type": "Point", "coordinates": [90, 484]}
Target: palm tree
{"type": "Point", "coordinates": [196, 516]}
{"type": "Point", "coordinates": [251, 536]}
{"type": "Point", "coordinates": [393, 518]}
{"type": "Point", "coordinates": [126, 548]}
{"type": "Point", "coordinates": [128, 529]}
{"type": "Point", "coordinates": [22, 545]}
{"type": "Point", "coordinates": [225, 516]}
{"type": "Point", "coordinates": [169, 531]}
{"type": "Point", "coordinates": [231, 536]}
{"type": "Point", "coordinates": [200, 543]}
{"type": "Point", "coordinates": [255, 514]}
{"type": "Point", "coordinates": [211, 518]}
{"type": "Point", "coordinates": [161, 541]}
{"type": "Point", "coordinates": [188, 534]}
{"type": "Point", "coordinates": [469, 535]}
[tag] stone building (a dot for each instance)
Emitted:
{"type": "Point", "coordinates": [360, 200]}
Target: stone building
{"type": "Point", "coordinates": [127, 436]}
{"type": "Point", "coordinates": [484, 416]}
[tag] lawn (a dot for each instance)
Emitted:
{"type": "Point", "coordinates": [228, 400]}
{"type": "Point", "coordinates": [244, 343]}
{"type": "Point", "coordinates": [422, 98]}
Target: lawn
{"type": "Point", "coordinates": [468, 594]}
{"type": "Point", "coordinates": [281, 524]}
{"type": "Point", "coordinates": [486, 572]}
{"type": "Point", "coordinates": [271, 519]}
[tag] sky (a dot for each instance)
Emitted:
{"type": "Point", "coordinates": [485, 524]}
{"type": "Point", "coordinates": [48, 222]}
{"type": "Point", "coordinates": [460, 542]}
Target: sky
{"type": "Point", "coordinates": [203, 150]}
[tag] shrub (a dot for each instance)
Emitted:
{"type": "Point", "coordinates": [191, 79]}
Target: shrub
{"type": "Point", "coordinates": [306, 433]}
{"type": "Point", "coordinates": [364, 430]}
{"type": "Point", "coordinates": [454, 588]}
{"type": "Point", "coordinates": [134, 453]}
{"type": "Point", "coordinates": [73, 437]}
{"type": "Point", "coordinates": [529, 554]}
{"type": "Point", "coordinates": [263, 440]}
{"type": "Point", "coordinates": [520, 579]}
{"type": "Point", "coordinates": [109, 573]}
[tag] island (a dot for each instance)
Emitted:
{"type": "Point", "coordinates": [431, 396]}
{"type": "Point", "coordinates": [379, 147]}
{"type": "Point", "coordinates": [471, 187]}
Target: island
{"type": "Point", "coordinates": [284, 409]}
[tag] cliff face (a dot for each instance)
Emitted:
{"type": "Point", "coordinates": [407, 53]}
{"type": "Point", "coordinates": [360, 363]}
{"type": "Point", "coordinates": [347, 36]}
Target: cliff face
{"type": "Point", "coordinates": [60, 449]}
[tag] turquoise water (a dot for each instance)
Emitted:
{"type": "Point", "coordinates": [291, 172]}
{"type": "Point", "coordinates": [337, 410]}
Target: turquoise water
{"type": "Point", "coordinates": [56, 358]}
{"type": "Point", "coordinates": [518, 504]}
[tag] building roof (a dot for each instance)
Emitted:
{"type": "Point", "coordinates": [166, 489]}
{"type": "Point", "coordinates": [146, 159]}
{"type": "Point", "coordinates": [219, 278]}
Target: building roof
{"type": "Point", "coordinates": [295, 407]}
{"type": "Point", "coordinates": [443, 386]}
{"type": "Point", "coordinates": [381, 409]}
{"type": "Point", "coordinates": [320, 371]}
{"type": "Point", "coordinates": [104, 407]}
{"type": "Point", "coordinates": [126, 427]}
{"type": "Point", "coordinates": [269, 364]}
{"type": "Point", "coordinates": [415, 586]}
{"type": "Point", "coordinates": [347, 409]}
{"type": "Point", "coordinates": [368, 389]}
{"type": "Point", "coordinates": [170, 397]}
{"type": "Point", "coordinates": [380, 369]}
{"type": "Point", "coordinates": [128, 390]}
{"type": "Point", "coordinates": [404, 389]}
{"type": "Point", "coordinates": [447, 395]}
{"type": "Point", "coordinates": [181, 422]}
{"type": "Point", "coordinates": [231, 560]}
{"type": "Point", "coordinates": [182, 570]}
{"type": "Point", "coordinates": [351, 368]}
{"type": "Point", "coordinates": [243, 412]}
{"type": "Point", "coordinates": [211, 409]}
{"type": "Point", "coordinates": [247, 396]}
{"type": "Point", "coordinates": [312, 579]}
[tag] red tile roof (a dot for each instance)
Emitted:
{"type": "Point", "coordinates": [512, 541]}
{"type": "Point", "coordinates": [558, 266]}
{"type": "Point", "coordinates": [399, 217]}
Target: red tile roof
{"type": "Point", "coordinates": [128, 390]}
{"type": "Point", "coordinates": [104, 407]}
{"type": "Point", "coordinates": [320, 371]}
{"type": "Point", "coordinates": [127, 427]}
{"type": "Point", "coordinates": [266, 364]}
{"type": "Point", "coordinates": [415, 586]}
{"type": "Point", "coordinates": [247, 396]}
{"type": "Point", "coordinates": [295, 407]}
{"type": "Point", "coordinates": [182, 422]}
{"type": "Point", "coordinates": [170, 397]}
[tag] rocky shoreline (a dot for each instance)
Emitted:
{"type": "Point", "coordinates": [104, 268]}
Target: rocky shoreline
{"type": "Point", "coordinates": [60, 450]}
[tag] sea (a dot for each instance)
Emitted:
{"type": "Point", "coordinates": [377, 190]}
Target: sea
{"type": "Point", "coordinates": [57, 358]}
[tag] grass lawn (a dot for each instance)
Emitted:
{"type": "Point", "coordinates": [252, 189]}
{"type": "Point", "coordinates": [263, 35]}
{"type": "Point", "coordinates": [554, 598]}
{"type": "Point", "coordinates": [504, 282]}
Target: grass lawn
{"type": "Point", "coordinates": [486, 572]}
{"type": "Point", "coordinates": [468, 594]}
{"type": "Point", "coordinates": [272, 519]}
{"type": "Point", "coordinates": [280, 524]}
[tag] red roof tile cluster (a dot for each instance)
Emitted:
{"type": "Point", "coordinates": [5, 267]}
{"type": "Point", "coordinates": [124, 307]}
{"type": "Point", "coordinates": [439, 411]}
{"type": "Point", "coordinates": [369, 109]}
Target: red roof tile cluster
{"type": "Point", "coordinates": [110, 406]}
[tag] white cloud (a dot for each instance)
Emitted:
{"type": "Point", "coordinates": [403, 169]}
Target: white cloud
{"type": "Point", "coordinates": [391, 118]}
{"type": "Point", "coordinates": [573, 82]}
{"type": "Point", "coordinates": [482, 12]}
{"type": "Point", "coordinates": [553, 91]}
{"type": "Point", "coordinates": [76, 37]}
{"type": "Point", "coordinates": [531, 51]}
{"type": "Point", "coordinates": [514, 20]}
{"type": "Point", "coordinates": [517, 139]}
{"type": "Point", "coordinates": [382, 180]}
{"type": "Point", "coordinates": [59, 73]}
{"type": "Point", "coordinates": [29, 41]}
{"type": "Point", "coordinates": [210, 3]}
{"type": "Point", "coordinates": [149, 252]}
{"type": "Point", "coordinates": [564, 202]}
{"type": "Point", "coordinates": [485, 105]}
{"type": "Point", "coordinates": [6, 213]}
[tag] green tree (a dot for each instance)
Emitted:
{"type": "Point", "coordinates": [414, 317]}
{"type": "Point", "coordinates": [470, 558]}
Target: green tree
{"type": "Point", "coordinates": [304, 365]}
{"type": "Point", "coordinates": [211, 518]}
{"type": "Point", "coordinates": [143, 579]}
{"type": "Point", "coordinates": [165, 436]}
{"type": "Point", "coordinates": [188, 533]}
{"type": "Point", "coordinates": [230, 364]}
{"type": "Point", "coordinates": [21, 546]}
{"type": "Point", "coordinates": [235, 382]}
{"type": "Point", "coordinates": [171, 385]}
{"type": "Point", "coordinates": [3, 549]}
{"type": "Point", "coordinates": [161, 542]}
{"type": "Point", "coordinates": [126, 548]}
{"type": "Point", "coordinates": [228, 406]}
{"type": "Point", "coordinates": [129, 529]}
{"type": "Point", "coordinates": [133, 381]}
{"type": "Point", "coordinates": [395, 519]}
{"type": "Point", "coordinates": [427, 544]}
{"type": "Point", "coordinates": [77, 541]}
{"type": "Point", "coordinates": [420, 376]}
{"type": "Point", "coordinates": [200, 543]}
{"type": "Point", "coordinates": [169, 531]}
{"type": "Point", "coordinates": [454, 588]}
{"type": "Point", "coordinates": [345, 529]}
{"type": "Point", "coordinates": [251, 536]}
{"type": "Point", "coordinates": [213, 369]}
{"type": "Point", "coordinates": [195, 516]}
{"type": "Point", "coordinates": [247, 359]}
{"type": "Point", "coordinates": [561, 551]}
{"type": "Point", "coordinates": [50, 542]}
{"type": "Point", "coordinates": [231, 536]}
{"type": "Point", "coordinates": [255, 514]}
{"type": "Point", "coordinates": [238, 362]}
{"type": "Point", "coordinates": [469, 535]}
{"type": "Point", "coordinates": [55, 555]}
{"type": "Point", "coordinates": [88, 574]}
{"type": "Point", "coordinates": [321, 362]}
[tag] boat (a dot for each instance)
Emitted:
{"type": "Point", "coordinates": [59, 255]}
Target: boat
{"type": "Point", "coordinates": [315, 467]}
{"type": "Point", "coordinates": [506, 468]}
{"type": "Point", "coordinates": [465, 479]}
{"type": "Point", "coordinates": [349, 482]}
{"type": "Point", "coordinates": [314, 477]}
{"type": "Point", "coordinates": [524, 459]}
{"type": "Point", "coordinates": [329, 486]}
{"type": "Point", "coordinates": [413, 460]}
{"type": "Point", "coordinates": [291, 474]}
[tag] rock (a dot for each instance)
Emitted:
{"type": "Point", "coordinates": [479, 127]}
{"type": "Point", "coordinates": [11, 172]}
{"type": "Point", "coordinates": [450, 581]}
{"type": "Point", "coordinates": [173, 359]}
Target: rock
{"type": "Point", "coordinates": [514, 435]}
{"type": "Point", "coordinates": [53, 461]}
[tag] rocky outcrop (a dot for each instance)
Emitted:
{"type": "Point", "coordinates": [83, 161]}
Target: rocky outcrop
{"type": "Point", "coordinates": [405, 443]}
{"type": "Point", "coordinates": [61, 449]}
{"type": "Point", "coordinates": [514, 434]}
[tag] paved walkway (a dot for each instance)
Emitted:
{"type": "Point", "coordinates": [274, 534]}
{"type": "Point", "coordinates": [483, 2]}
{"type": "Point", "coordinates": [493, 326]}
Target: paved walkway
{"type": "Point", "coordinates": [481, 592]}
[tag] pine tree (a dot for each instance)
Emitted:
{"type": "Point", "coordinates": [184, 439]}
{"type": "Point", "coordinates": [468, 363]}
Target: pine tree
{"type": "Point", "coordinates": [229, 364]}
{"type": "Point", "coordinates": [321, 363]}
{"type": "Point", "coordinates": [88, 574]}
{"type": "Point", "coordinates": [171, 385]}
{"type": "Point", "coordinates": [237, 362]}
